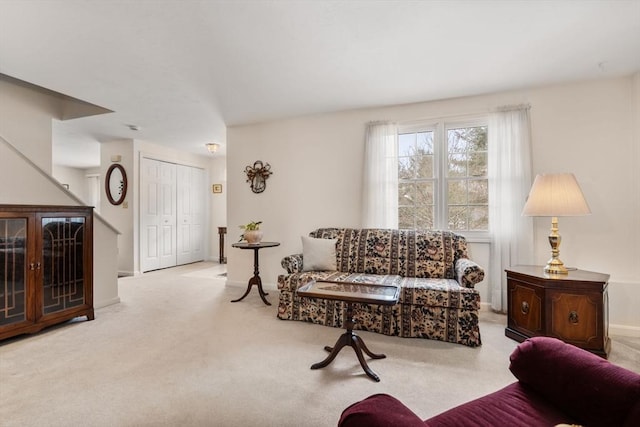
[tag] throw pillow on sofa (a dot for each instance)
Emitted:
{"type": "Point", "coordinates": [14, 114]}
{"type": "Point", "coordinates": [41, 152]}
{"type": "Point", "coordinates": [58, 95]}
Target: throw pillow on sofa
{"type": "Point", "coordinates": [318, 254]}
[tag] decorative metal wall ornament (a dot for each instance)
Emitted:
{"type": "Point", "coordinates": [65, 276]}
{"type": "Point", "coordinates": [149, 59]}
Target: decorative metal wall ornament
{"type": "Point", "coordinates": [257, 175]}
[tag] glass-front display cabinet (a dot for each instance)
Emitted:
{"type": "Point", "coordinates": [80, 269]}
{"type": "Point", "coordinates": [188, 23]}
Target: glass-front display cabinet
{"type": "Point", "coordinates": [46, 266]}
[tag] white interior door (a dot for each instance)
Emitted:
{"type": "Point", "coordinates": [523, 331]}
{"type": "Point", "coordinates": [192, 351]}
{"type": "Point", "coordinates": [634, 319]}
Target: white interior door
{"type": "Point", "coordinates": [172, 214]}
{"type": "Point", "coordinates": [168, 208]}
{"type": "Point", "coordinates": [197, 228]}
{"type": "Point", "coordinates": [150, 218]}
{"type": "Point", "coordinates": [190, 214]}
{"type": "Point", "coordinates": [157, 215]}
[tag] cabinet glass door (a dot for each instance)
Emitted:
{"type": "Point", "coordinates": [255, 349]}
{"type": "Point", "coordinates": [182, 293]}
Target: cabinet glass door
{"type": "Point", "coordinates": [62, 263]}
{"type": "Point", "coordinates": [13, 270]}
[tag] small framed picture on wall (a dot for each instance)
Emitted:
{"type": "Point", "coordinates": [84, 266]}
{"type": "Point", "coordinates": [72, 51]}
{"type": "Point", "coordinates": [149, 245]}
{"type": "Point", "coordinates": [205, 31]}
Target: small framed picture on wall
{"type": "Point", "coordinates": [217, 188]}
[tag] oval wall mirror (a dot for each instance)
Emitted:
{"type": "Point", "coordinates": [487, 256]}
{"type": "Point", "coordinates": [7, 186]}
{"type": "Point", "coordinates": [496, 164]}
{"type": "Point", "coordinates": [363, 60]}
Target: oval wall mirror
{"type": "Point", "coordinates": [116, 184]}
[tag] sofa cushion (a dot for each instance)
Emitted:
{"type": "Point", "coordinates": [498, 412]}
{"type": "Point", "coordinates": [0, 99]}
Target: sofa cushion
{"type": "Point", "coordinates": [587, 387]}
{"type": "Point", "coordinates": [438, 293]}
{"type": "Point", "coordinates": [513, 405]}
{"type": "Point", "coordinates": [318, 254]}
{"type": "Point", "coordinates": [408, 253]}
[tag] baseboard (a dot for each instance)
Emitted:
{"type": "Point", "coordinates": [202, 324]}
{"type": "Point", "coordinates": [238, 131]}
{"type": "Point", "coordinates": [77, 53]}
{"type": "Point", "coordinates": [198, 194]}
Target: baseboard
{"type": "Point", "coordinates": [624, 331]}
{"type": "Point", "coordinates": [115, 300]}
{"type": "Point", "coordinates": [126, 273]}
{"type": "Point", "coordinates": [486, 306]}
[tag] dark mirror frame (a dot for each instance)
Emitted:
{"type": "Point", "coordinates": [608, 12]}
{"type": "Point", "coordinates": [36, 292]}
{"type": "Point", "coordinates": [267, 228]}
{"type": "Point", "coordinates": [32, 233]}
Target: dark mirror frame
{"type": "Point", "coordinates": [107, 185]}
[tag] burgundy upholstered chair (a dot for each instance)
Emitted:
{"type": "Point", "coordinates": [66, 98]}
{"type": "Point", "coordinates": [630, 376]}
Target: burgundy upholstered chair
{"type": "Point", "coordinates": [557, 383]}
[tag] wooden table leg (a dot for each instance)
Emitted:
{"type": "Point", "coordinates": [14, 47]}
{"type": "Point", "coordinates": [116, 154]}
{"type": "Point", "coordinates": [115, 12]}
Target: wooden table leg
{"type": "Point", "coordinates": [351, 339]}
{"type": "Point", "coordinates": [255, 280]}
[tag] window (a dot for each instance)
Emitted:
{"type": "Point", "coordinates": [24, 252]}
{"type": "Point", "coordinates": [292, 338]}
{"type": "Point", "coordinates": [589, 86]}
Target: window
{"type": "Point", "coordinates": [442, 177]}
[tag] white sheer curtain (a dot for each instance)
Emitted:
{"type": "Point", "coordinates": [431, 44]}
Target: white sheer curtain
{"type": "Point", "coordinates": [509, 184]}
{"type": "Point", "coordinates": [380, 180]}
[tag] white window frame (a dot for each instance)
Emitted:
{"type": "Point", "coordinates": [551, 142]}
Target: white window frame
{"type": "Point", "coordinates": [439, 128]}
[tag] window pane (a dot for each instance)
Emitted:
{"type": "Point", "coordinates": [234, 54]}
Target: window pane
{"type": "Point", "coordinates": [424, 193]}
{"type": "Point", "coordinates": [424, 166]}
{"type": "Point", "coordinates": [405, 217]}
{"type": "Point", "coordinates": [462, 182]}
{"type": "Point", "coordinates": [425, 142]}
{"type": "Point", "coordinates": [457, 193]}
{"type": "Point", "coordinates": [478, 164]}
{"type": "Point", "coordinates": [424, 217]}
{"type": "Point", "coordinates": [478, 192]}
{"type": "Point", "coordinates": [405, 170]}
{"type": "Point", "coordinates": [406, 144]}
{"type": "Point", "coordinates": [457, 165]}
{"type": "Point", "coordinates": [458, 218]}
{"type": "Point", "coordinates": [477, 138]}
{"type": "Point", "coordinates": [456, 141]}
{"type": "Point", "coordinates": [479, 218]}
{"type": "Point", "coordinates": [406, 194]}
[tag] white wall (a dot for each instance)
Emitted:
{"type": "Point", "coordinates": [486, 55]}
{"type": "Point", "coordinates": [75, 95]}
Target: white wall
{"type": "Point", "coordinates": [218, 206]}
{"type": "Point", "coordinates": [586, 128]}
{"type": "Point", "coordinates": [75, 178]}
{"type": "Point", "coordinates": [25, 122]}
{"type": "Point", "coordinates": [121, 216]}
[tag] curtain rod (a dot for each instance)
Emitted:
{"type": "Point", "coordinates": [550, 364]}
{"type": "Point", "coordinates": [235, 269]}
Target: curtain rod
{"type": "Point", "coordinates": [514, 107]}
{"type": "Point", "coordinates": [501, 108]}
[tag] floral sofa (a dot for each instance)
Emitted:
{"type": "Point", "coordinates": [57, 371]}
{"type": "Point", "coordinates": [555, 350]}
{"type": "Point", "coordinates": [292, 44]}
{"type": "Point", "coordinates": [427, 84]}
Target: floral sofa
{"type": "Point", "coordinates": [437, 299]}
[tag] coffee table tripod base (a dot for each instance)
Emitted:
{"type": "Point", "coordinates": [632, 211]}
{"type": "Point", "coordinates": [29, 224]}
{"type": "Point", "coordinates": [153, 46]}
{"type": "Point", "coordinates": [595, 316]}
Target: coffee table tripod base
{"type": "Point", "coordinates": [351, 339]}
{"type": "Point", "coordinates": [351, 293]}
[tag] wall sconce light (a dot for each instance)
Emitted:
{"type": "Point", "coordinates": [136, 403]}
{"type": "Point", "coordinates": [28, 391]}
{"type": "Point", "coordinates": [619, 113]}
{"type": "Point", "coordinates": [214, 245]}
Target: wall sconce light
{"type": "Point", "coordinates": [212, 147]}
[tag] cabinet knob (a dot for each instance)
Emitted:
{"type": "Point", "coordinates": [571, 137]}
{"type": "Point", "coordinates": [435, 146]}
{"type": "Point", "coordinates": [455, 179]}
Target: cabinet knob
{"type": "Point", "coordinates": [573, 317]}
{"type": "Point", "coordinates": [524, 307]}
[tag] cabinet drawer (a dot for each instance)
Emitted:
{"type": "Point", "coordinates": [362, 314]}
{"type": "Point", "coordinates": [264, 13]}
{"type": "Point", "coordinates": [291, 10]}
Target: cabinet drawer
{"type": "Point", "coordinates": [576, 318]}
{"type": "Point", "coordinates": [525, 308]}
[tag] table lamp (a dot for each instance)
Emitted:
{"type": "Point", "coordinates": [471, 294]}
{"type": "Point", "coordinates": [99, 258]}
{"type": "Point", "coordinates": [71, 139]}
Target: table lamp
{"type": "Point", "coordinates": [555, 195]}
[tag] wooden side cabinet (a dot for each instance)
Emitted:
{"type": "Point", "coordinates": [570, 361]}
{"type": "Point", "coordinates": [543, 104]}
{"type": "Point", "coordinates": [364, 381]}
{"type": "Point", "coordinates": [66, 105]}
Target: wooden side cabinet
{"type": "Point", "coordinates": [46, 266]}
{"type": "Point", "coordinates": [572, 307]}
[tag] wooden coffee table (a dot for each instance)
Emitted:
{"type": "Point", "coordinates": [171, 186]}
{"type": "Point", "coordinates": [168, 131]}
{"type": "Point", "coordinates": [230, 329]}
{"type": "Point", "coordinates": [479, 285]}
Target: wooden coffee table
{"type": "Point", "coordinates": [351, 293]}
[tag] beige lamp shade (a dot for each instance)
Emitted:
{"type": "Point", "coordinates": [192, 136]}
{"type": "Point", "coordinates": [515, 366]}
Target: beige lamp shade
{"type": "Point", "coordinates": [556, 195]}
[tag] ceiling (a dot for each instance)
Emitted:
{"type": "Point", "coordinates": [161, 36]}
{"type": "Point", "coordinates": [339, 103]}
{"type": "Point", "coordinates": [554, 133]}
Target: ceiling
{"type": "Point", "coordinates": [182, 71]}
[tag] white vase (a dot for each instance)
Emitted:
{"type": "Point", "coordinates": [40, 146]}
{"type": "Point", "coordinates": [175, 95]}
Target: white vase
{"type": "Point", "coordinates": [253, 236]}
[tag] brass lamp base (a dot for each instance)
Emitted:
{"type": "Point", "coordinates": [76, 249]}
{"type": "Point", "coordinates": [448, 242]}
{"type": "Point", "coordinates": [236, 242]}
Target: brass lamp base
{"type": "Point", "coordinates": [554, 265]}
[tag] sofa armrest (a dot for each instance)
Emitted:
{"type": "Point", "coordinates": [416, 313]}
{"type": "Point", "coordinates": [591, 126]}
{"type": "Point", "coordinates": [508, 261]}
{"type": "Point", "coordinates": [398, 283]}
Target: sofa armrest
{"type": "Point", "coordinates": [585, 386]}
{"type": "Point", "coordinates": [468, 272]}
{"type": "Point", "coordinates": [292, 263]}
{"type": "Point", "coordinates": [379, 410]}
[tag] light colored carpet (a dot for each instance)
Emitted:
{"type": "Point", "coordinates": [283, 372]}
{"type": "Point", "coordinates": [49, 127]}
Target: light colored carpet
{"type": "Point", "coordinates": [176, 352]}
